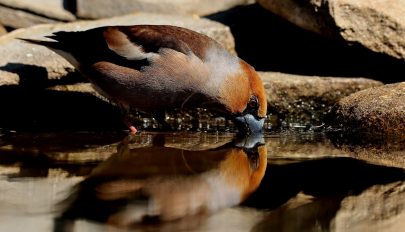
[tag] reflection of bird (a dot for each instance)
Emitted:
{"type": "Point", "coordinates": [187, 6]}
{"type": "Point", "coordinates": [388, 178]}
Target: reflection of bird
{"type": "Point", "coordinates": [158, 67]}
{"type": "Point", "coordinates": [168, 183]}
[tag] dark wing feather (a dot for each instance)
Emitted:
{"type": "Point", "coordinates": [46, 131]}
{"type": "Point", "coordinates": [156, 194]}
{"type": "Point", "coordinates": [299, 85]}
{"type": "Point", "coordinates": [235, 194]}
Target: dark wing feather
{"type": "Point", "coordinates": [151, 38]}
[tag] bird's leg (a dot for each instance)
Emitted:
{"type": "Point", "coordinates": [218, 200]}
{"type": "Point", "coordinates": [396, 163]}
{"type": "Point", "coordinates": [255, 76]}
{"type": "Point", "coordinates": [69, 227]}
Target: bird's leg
{"type": "Point", "coordinates": [131, 127]}
{"type": "Point", "coordinates": [125, 112]}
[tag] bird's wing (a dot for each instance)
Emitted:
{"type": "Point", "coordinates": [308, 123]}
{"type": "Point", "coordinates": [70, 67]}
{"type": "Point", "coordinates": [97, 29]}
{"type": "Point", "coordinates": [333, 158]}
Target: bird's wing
{"type": "Point", "coordinates": [142, 41]}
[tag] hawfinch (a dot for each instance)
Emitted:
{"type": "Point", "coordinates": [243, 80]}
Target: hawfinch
{"type": "Point", "coordinates": [156, 67]}
{"type": "Point", "coordinates": [168, 183]}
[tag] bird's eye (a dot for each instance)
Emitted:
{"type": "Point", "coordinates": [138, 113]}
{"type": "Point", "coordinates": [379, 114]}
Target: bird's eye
{"type": "Point", "coordinates": [253, 103]}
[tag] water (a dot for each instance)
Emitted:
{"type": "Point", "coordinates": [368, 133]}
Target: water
{"type": "Point", "coordinates": [197, 181]}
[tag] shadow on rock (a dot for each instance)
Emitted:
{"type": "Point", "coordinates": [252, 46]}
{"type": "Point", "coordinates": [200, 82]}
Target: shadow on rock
{"type": "Point", "coordinates": [37, 77]}
{"type": "Point", "coordinates": [70, 6]}
{"type": "Point", "coordinates": [47, 110]}
{"type": "Point", "coordinates": [31, 76]}
{"type": "Point", "coordinates": [270, 43]}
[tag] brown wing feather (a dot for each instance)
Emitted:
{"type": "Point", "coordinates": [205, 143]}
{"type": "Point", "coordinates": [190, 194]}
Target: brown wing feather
{"type": "Point", "coordinates": [143, 39]}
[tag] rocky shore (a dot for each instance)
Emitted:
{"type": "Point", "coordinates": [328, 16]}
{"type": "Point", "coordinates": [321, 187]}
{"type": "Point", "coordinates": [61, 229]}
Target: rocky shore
{"type": "Point", "coordinates": [333, 71]}
{"type": "Point", "coordinates": [312, 71]}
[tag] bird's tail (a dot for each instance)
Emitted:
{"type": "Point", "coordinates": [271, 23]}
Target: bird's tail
{"type": "Point", "coordinates": [46, 43]}
{"type": "Point", "coordinates": [61, 43]}
{"type": "Point", "coordinates": [58, 40]}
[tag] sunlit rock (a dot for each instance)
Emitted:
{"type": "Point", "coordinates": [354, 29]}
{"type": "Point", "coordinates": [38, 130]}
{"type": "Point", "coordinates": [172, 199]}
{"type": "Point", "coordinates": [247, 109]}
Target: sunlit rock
{"type": "Point", "coordinates": [377, 25]}
{"type": "Point", "coordinates": [374, 111]}
{"type": "Point", "coordinates": [108, 8]}
{"type": "Point", "coordinates": [25, 13]}
{"type": "Point", "coordinates": [306, 99]}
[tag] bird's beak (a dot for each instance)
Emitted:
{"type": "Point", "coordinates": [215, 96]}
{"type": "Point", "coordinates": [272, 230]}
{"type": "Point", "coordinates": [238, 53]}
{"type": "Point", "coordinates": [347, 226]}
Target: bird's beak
{"type": "Point", "coordinates": [250, 144]}
{"type": "Point", "coordinates": [249, 124]}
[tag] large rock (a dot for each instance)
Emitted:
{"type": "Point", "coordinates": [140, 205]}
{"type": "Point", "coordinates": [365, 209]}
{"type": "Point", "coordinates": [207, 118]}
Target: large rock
{"type": "Point", "coordinates": [34, 64]}
{"type": "Point", "coordinates": [25, 13]}
{"type": "Point", "coordinates": [377, 25]}
{"type": "Point", "coordinates": [108, 8]}
{"type": "Point", "coordinates": [379, 208]}
{"type": "Point", "coordinates": [306, 99]}
{"type": "Point", "coordinates": [374, 111]}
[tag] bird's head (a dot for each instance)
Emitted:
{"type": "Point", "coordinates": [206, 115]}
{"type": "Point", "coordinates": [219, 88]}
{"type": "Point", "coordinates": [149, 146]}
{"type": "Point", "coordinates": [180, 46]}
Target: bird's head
{"type": "Point", "coordinates": [244, 97]}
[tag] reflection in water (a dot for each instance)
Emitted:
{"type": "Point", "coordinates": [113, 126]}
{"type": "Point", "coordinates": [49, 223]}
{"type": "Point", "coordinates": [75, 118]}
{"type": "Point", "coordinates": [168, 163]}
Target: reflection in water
{"type": "Point", "coordinates": [172, 181]}
{"type": "Point", "coordinates": [311, 195]}
{"type": "Point", "coordinates": [383, 150]}
{"type": "Point", "coordinates": [135, 187]}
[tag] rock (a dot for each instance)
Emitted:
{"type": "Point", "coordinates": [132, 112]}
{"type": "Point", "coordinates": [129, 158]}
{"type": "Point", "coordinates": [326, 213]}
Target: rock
{"type": "Point", "coordinates": [25, 13]}
{"type": "Point", "coordinates": [17, 18]}
{"type": "Point", "coordinates": [25, 62]}
{"type": "Point", "coordinates": [108, 8]}
{"type": "Point", "coordinates": [80, 88]}
{"type": "Point", "coordinates": [379, 208]}
{"type": "Point", "coordinates": [307, 99]}
{"type": "Point", "coordinates": [3, 30]}
{"type": "Point", "coordinates": [377, 25]}
{"type": "Point", "coordinates": [374, 111]}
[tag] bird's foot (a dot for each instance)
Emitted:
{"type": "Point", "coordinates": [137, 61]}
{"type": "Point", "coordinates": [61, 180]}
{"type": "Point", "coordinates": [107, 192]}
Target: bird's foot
{"type": "Point", "coordinates": [132, 129]}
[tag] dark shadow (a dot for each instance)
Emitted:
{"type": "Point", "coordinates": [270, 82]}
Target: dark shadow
{"type": "Point", "coordinates": [31, 107]}
{"type": "Point", "coordinates": [46, 110]}
{"type": "Point", "coordinates": [319, 178]}
{"type": "Point", "coordinates": [36, 77]}
{"type": "Point", "coordinates": [31, 76]}
{"type": "Point", "coordinates": [270, 43]}
{"type": "Point", "coordinates": [70, 5]}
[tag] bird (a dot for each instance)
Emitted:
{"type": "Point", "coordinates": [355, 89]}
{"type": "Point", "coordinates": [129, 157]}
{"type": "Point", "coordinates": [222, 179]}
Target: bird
{"type": "Point", "coordinates": [152, 68]}
{"type": "Point", "coordinates": [166, 183]}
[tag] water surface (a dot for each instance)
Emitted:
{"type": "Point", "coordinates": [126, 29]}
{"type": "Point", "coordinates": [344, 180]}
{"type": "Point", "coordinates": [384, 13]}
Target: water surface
{"type": "Point", "coordinates": [185, 181]}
